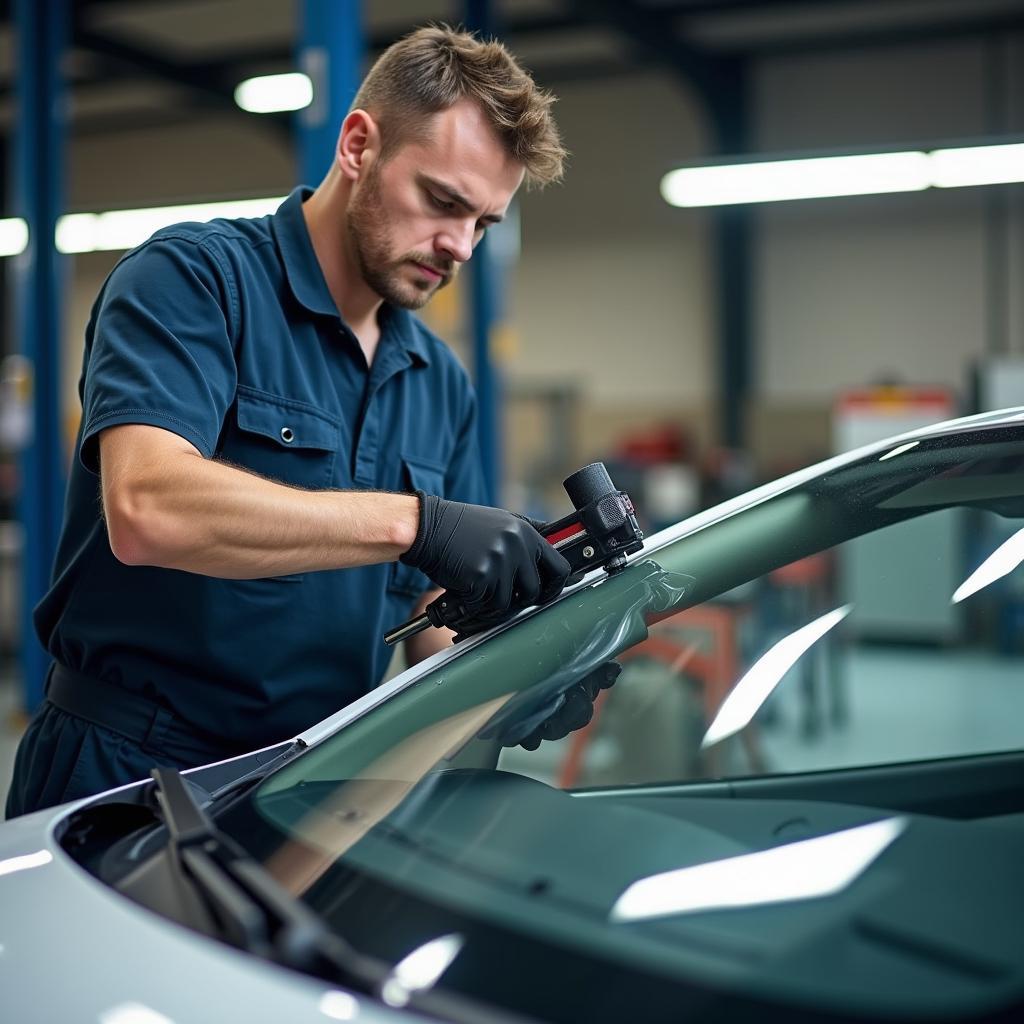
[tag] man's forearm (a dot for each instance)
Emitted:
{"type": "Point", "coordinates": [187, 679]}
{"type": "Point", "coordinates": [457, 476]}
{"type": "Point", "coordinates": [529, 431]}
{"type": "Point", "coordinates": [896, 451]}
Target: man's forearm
{"type": "Point", "coordinates": [178, 510]}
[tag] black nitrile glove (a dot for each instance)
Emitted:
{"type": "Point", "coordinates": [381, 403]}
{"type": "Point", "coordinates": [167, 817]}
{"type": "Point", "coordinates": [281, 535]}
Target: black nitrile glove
{"type": "Point", "coordinates": [493, 560]}
{"type": "Point", "coordinates": [568, 712]}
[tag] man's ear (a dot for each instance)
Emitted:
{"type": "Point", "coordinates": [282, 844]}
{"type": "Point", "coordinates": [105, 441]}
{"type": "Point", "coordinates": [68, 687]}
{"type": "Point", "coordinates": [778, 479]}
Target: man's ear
{"type": "Point", "coordinates": [358, 144]}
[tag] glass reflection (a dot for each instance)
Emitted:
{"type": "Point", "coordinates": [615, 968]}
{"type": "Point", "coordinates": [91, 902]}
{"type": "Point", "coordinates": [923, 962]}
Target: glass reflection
{"type": "Point", "coordinates": [767, 672]}
{"type": "Point", "coordinates": [803, 870]}
{"type": "Point", "coordinates": [1000, 563]}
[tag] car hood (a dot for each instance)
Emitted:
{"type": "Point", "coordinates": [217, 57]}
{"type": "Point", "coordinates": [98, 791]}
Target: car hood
{"type": "Point", "coordinates": [73, 949]}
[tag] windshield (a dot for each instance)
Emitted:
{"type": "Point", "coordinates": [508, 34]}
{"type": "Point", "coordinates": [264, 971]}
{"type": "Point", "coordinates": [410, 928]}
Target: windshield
{"type": "Point", "coordinates": [870, 616]}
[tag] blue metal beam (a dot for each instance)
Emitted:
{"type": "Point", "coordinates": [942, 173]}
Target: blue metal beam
{"type": "Point", "coordinates": [38, 196]}
{"type": "Point", "coordinates": [728, 104]}
{"type": "Point", "coordinates": [331, 46]}
{"type": "Point", "coordinates": [485, 312]}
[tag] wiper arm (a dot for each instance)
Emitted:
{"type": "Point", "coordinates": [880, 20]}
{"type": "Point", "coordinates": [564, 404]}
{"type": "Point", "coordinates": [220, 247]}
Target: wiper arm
{"type": "Point", "coordinates": [254, 911]}
{"type": "Point", "coordinates": [259, 915]}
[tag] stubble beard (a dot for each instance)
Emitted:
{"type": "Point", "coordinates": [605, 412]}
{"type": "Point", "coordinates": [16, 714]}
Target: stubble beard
{"type": "Point", "coordinates": [372, 243]}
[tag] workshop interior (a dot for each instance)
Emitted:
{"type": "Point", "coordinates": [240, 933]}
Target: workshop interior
{"type": "Point", "coordinates": [787, 230]}
{"type": "Point", "coordinates": [696, 350]}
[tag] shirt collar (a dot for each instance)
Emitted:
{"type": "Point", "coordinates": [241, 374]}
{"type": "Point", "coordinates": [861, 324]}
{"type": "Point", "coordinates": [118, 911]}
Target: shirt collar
{"type": "Point", "coordinates": [306, 279]}
{"type": "Point", "coordinates": [302, 269]}
{"type": "Point", "coordinates": [406, 330]}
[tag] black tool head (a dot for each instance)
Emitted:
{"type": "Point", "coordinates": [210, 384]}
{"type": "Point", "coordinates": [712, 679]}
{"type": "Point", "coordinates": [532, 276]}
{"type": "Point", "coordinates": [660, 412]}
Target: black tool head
{"type": "Point", "coordinates": [588, 484]}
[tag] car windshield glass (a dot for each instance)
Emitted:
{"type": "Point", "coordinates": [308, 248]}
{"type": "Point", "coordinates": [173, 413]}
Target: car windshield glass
{"type": "Point", "coordinates": [750, 645]}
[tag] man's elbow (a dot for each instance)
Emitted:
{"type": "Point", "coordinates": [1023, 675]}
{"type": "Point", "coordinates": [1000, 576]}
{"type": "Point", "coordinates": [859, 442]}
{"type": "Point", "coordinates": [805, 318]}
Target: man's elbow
{"type": "Point", "coordinates": [139, 533]}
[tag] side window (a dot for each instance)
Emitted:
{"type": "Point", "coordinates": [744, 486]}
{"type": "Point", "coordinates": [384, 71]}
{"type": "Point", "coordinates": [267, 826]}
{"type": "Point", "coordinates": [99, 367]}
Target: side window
{"type": "Point", "coordinates": [901, 645]}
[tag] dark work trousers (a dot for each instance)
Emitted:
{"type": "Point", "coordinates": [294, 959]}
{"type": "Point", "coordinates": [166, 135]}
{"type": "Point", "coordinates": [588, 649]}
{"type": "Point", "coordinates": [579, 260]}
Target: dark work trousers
{"type": "Point", "coordinates": [64, 756]}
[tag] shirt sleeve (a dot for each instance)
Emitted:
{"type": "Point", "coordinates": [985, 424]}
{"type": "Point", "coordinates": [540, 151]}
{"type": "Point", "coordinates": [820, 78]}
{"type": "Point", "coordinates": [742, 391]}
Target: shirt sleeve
{"type": "Point", "coordinates": [161, 349]}
{"type": "Point", "coordinates": [464, 479]}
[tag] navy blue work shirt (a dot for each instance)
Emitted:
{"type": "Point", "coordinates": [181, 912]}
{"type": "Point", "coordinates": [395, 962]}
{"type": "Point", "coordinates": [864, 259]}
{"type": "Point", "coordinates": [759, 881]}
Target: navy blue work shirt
{"type": "Point", "coordinates": [226, 334]}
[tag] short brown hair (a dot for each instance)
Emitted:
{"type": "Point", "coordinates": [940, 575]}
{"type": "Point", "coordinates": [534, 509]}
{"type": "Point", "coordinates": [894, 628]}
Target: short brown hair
{"type": "Point", "coordinates": [433, 68]}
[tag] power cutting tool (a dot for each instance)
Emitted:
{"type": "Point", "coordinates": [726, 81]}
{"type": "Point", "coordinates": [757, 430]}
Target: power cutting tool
{"type": "Point", "coordinates": [600, 533]}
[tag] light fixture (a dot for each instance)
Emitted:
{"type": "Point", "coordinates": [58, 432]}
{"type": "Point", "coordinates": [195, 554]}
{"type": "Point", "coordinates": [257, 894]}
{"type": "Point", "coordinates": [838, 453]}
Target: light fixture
{"type": "Point", "coordinates": [814, 178]}
{"type": "Point", "coordinates": [766, 181]}
{"type": "Point", "coordinates": [977, 165]}
{"type": "Point", "coordinates": [743, 701]}
{"type": "Point", "coordinates": [797, 871]}
{"type": "Point", "coordinates": [124, 229]}
{"type": "Point", "coordinates": [13, 236]}
{"type": "Point", "coordinates": [269, 94]}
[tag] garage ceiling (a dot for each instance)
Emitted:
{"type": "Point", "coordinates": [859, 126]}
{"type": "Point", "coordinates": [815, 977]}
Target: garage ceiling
{"type": "Point", "coordinates": [141, 63]}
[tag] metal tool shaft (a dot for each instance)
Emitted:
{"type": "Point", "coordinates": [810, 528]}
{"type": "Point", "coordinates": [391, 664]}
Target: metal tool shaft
{"type": "Point", "coordinates": [407, 629]}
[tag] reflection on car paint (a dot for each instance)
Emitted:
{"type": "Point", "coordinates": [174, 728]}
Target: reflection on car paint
{"type": "Point", "coordinates": [421, 969]}
{"type": "Point", "coordinates": [24, 862]}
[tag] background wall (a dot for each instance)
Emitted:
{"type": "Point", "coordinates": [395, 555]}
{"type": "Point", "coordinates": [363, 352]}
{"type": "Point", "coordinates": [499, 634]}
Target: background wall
{"type": "Point", "coordinates": [612, 299]}
{"type": "Point", "coordinates": [913, 287]}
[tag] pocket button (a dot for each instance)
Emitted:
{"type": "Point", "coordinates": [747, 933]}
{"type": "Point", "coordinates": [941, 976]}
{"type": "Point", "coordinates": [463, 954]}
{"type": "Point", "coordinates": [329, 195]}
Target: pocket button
{"type": "Point", "coordinates": [287, 435]}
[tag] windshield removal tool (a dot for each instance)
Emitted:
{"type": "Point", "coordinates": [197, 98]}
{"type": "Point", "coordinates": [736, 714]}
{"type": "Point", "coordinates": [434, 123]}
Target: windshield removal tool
{"type": "Point", "coordinates": [600, 533]}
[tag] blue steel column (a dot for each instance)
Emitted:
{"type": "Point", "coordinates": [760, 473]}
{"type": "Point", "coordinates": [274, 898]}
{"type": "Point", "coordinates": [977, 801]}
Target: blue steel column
{"type": "Point", "coordinates": [38, 179]}
{"type": "Point", "coordinates": [331, 52]}
{"type": "Point", "coordinates": [729, 105]}
{"type": "Point", "coordinates": [485, 312]}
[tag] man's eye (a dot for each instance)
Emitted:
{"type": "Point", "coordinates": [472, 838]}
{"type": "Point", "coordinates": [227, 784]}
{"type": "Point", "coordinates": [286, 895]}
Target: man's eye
{"type": "Point", "coordinates": [441, 204]}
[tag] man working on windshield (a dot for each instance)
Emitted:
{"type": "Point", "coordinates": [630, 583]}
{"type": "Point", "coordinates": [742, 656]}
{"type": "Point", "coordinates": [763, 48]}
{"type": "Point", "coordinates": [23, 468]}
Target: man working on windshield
{"type": "Point", "coordinates": [277, 461]}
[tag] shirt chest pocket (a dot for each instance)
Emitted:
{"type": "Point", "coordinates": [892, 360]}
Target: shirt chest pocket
{"type": "Point", "coordinates": [418, 474]}
{"type": "Point", "coordinates": [282, 440]}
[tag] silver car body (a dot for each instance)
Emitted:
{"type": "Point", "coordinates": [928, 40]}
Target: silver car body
{"type": "Point", "coordinates": [72, 949]}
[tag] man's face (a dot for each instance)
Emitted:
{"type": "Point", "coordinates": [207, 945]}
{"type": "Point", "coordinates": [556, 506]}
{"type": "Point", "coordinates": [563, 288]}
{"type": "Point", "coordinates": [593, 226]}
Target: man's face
{"type": "Point", "coordinates": [416, 217]}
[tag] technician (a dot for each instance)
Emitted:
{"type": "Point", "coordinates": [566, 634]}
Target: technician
{"type": "Point", "coordinates": [277, 460]}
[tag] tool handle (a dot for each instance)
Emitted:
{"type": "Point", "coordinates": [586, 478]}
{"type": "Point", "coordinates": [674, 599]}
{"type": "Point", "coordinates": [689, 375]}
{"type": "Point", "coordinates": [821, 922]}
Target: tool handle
{"type": "Point", "coordinates": [446, 610]}
{"type": "Point", "coordinates": [407, 629]}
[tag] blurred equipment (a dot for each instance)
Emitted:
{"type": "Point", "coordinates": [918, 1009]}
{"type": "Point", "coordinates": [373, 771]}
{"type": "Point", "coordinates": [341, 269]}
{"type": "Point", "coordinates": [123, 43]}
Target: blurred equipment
{"type": "Point", "coordinates": [656, 465]}
{"type": "Point", "coordinates": [998, 383]}
{"type": "Point", "coordinates": [896, 595]}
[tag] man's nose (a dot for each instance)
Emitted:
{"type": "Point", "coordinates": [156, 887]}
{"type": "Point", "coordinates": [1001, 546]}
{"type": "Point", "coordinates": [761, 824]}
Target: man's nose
{"type": "Point", "coordinates": [457, 240]}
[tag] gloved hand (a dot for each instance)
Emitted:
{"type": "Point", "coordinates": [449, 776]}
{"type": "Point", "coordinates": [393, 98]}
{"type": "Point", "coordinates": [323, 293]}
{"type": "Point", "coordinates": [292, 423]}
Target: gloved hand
{"type": "Point", "coordinates": [495, 561]}
{"type": "Point", "coordinates": [568, 712]}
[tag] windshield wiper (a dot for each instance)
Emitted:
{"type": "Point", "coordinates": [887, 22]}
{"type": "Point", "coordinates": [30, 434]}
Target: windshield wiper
{"type": "Point", "coordinates": [259, 915]}
{"type": "Point", "coordinates": [254, 911]}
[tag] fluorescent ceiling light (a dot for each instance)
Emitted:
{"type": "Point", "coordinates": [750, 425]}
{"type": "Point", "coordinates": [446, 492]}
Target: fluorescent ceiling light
{"type": "Point", "coordinates": [1000, 563]}
{"type": "Point", "coordinates": [797, 871]}
{"type": "Point", "coordinates": [825, 177]}
{"type": "Point", "coordinates": [765, 674]}
{"type": "Point", "coordinates": [814, 178]}
{"type": "Point", "coordinates": [124, 229]}
{"type": "Point", "coordinates": [13, 236]}
{"type": "Point", "coordinates": [271, 93]}
{"type": "Point", "coordinates": [977, 165]}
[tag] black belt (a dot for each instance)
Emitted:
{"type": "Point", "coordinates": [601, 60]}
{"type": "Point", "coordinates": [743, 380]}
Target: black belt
{"type": "Point", "coordinates": [141, 720]}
